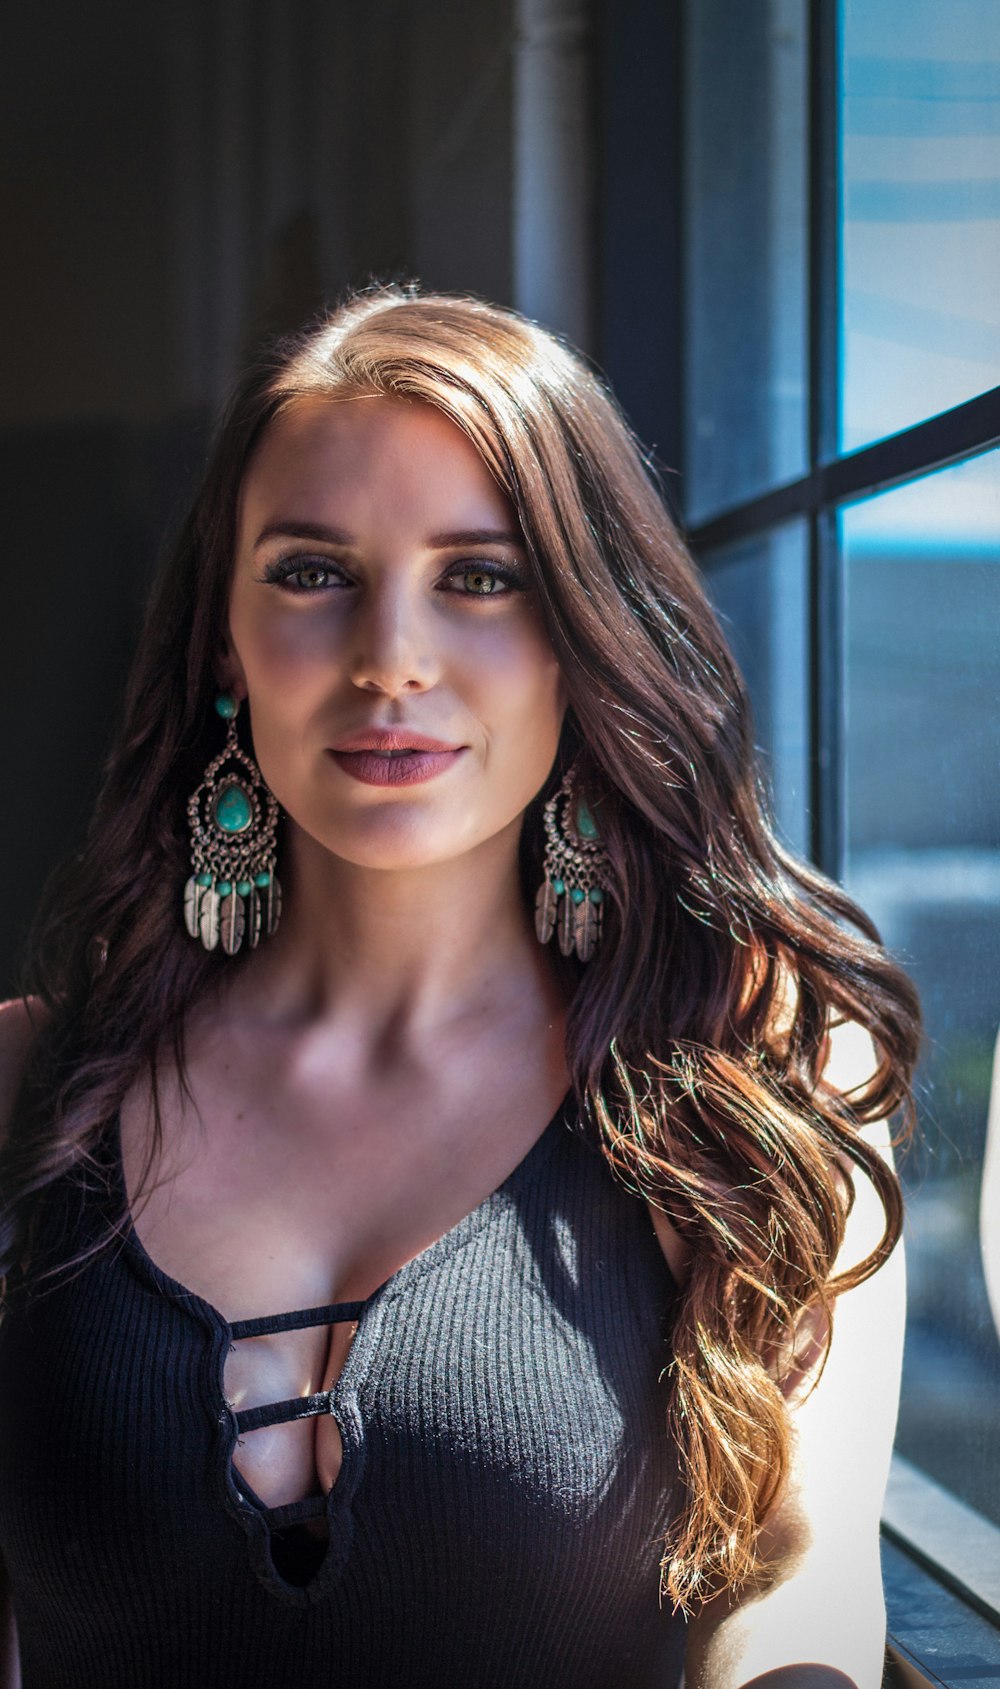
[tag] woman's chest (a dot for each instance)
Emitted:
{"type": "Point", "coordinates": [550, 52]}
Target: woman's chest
{"type": "Point", "coordinates": [254, 1232]}
{"type": "Point", "coordinates": [509, 1380]}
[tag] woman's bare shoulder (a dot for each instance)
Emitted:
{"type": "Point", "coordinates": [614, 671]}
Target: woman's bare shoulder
{"type": "Point", "coordinates": [20, 1021]}
{"type": "Point", "coordinates": [676, 1252]}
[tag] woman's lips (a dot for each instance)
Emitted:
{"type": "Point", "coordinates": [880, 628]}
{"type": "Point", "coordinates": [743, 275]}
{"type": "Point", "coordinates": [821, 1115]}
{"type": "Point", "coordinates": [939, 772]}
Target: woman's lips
{"type": "Point", "coordinates": [395, 768]}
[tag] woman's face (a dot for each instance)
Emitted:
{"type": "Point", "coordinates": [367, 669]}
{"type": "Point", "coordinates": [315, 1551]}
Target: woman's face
{"type": "Point", "coordinates": [381, 597]}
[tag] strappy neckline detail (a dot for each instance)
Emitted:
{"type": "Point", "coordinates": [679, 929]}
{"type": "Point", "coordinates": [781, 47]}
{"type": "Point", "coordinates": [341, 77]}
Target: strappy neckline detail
{"type": "Point", "coordinates": [298, 1319]}
{"type": "Point", "coordinates": [258, 1518]}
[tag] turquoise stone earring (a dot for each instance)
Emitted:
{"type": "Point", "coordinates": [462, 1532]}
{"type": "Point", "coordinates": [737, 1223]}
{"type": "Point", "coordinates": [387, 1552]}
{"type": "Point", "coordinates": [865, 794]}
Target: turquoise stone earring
{"type": "Point", "coordinates": [570, 900]}
{"type": "Point", "coordinates": [232, 896]}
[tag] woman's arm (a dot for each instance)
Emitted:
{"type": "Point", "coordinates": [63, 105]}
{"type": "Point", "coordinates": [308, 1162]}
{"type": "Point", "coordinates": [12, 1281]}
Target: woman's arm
{"type": "Point", "coordinates": [821, 1622]}
{"type": "Point", "coordinates": [17, 1028]}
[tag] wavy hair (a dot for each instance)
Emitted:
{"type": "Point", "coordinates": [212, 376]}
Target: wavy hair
{"type": "Point", "coordinates": [697, 1035]}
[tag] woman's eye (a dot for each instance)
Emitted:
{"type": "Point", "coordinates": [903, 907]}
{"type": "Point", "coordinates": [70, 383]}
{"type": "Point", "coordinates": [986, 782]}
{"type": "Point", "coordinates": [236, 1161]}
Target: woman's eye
{"type": "Point", "coordinates": [311, 575]}
{"type": "Point", "coordinates": [304, 574]}
{"type": "Point", "coordinates": [482, 582]}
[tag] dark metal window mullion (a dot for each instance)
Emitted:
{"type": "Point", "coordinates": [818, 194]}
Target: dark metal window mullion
{"type": "Point", "coordinates": [825, 596]}
{"type": "Point", "coordinates": [963, 432]}
{"type": "Point", "coordinates": [824, 244]}
{"type": "Point", "coordinates": [826, 695]}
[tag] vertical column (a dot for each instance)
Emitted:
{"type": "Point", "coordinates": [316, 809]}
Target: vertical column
{"type": "Point", "coordinates": [330, 86]}
{"type": "Point", "coordinates": [183, 44]}
{"type": "Point", "coordinates": [553, 222]}
{"type": "Point", "coordinates": [230, 199]}
{"type": "Point", "coordinates": [207, 50]}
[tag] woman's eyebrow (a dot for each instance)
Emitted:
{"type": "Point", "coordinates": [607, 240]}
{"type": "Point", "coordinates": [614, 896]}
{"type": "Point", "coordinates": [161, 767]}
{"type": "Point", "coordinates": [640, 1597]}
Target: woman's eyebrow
{"type": "Point", "coordinates": [283, 529]}
{"type": "Point", "coordinates": [477, 536]}
{"type": "Point", "coordinates": [302, 531]}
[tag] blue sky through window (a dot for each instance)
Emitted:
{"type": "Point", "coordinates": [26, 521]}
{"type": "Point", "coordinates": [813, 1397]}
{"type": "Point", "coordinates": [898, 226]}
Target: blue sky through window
{"type": "Point", "coordinates": [920, 184]}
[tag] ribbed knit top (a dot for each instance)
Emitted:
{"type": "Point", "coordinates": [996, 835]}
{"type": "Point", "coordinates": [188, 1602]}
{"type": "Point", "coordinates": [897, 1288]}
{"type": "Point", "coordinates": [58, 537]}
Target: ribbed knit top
{"type": "Point", "coordinates": [506, 1472]}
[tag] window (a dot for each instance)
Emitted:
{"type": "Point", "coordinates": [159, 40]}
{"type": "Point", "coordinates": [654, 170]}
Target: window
{"type": "Point", "coordinates": [841, 484]}
{"type": "Point", "coordinates": [919, 317]}
{"type": "Point", "coordinates": [759, 585]}
{"type": "Point", "coordinates": [746, 186]}
{"type": "Point", "coordinates": [921, 772]}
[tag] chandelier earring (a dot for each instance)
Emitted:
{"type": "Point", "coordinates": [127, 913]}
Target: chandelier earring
{"type": "Point", "coordinates": [232, 898]}
{"type": "Point", "coordinates": [570, 900]}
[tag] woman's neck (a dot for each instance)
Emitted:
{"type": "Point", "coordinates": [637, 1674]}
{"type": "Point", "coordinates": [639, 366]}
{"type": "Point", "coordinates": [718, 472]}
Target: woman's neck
{"type": "Point", "coordinates": [400, 955]}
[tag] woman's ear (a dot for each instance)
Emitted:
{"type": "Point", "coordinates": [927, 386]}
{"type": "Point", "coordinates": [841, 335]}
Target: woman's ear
{"type": "Point", "coordinates": [228, 668]}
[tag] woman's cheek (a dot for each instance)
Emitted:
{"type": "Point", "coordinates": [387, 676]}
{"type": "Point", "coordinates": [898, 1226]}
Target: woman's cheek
{"type": "Point", "coordinates": [287, 641]}
{"type": "Point", "coordinates": [530, 693]}
{"type": "Point", "coordinates": [513, 642]}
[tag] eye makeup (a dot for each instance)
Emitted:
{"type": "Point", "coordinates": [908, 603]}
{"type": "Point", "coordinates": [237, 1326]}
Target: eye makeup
{"type": "Point", "coordinates": [305, 574]}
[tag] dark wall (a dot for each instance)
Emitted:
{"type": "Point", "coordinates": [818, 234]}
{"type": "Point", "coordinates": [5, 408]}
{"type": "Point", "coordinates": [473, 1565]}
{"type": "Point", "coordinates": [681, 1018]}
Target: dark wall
{"type": "Point", "coordinates": [175, 182]}
{"type": "Point", "coordinates": [637, 85]}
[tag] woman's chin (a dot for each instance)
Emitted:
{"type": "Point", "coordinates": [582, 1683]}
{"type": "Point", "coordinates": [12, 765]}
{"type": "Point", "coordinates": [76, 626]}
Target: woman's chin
{"type": "Point", "coordinates": [388, 843]}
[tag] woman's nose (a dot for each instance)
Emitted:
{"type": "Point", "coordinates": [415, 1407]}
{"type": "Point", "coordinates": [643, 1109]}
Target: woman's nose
{"type": "Point", "coordinates": [393, 646]}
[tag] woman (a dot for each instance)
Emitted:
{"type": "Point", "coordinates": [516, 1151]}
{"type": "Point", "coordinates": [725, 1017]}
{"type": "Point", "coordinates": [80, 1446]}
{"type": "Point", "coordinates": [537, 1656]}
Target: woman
{"type": "Point", "coordinates": [340, 1344]}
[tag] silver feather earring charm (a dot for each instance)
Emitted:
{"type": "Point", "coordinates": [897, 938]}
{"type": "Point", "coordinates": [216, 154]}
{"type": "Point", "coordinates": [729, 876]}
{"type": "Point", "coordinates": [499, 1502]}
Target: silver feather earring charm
{"type": "Point", "coordinates": [232, 898]}
{"type": "Point", "coordinates": [570, 900]}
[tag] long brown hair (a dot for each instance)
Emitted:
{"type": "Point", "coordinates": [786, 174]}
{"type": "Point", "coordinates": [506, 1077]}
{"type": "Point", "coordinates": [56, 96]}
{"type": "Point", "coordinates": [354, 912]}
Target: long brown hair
{"type": "Point", "coordinates": [696, 1036]}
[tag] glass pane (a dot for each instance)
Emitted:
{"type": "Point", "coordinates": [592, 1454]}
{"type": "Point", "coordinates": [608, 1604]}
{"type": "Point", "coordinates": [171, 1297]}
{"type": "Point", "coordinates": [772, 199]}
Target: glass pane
{"type": "Point", "coordinates": [920, 309]}
{"type": "Point", "coordinates": [759, 588]}
{"type": "Point", "coordinates": [745, 249]}
{"type": "Point", "coordinates": [922, 568]}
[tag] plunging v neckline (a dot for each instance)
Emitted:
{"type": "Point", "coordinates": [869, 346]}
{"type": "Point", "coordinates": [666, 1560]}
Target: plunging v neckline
{"type": "Point", "coordinates": [258, 1518]}
{"type": "Point", "coordinates": [440, 1248]}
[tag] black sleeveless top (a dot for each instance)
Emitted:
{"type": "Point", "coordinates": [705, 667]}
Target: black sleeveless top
{"type": "Point", "coordinates": [506, 1471]}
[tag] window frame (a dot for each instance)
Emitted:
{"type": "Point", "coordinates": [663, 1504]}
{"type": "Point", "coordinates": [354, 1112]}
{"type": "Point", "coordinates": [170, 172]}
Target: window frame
{"type": "Point", "coordinates": [922, 1531]}
{"type": "Point", "coordinates": [835, 478]}
{"type": "Point", "coordinates": [921, 1518]}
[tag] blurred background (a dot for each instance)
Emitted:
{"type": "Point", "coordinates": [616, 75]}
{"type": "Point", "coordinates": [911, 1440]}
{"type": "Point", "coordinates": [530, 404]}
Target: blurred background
{"type": "Point", "coordinates": [775, 225]}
